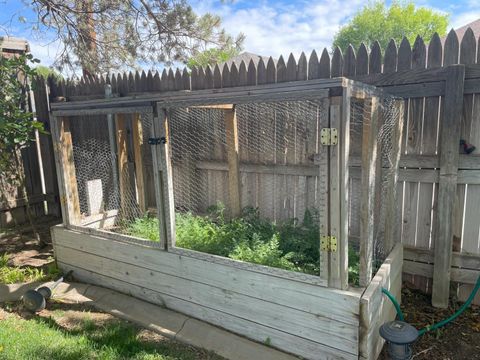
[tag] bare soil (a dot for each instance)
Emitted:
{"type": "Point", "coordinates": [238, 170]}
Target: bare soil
{"type": "Point", "coordinates": [458, 340]}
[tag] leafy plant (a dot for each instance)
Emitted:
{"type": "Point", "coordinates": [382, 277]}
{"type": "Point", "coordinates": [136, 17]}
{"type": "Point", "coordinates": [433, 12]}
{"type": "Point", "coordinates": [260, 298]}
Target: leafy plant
{"type": "Point", "coordinates": [291, 245]}
{"type": "Point", "coordinates": [17, 129]}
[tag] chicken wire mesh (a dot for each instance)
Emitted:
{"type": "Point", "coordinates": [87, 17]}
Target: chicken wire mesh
{"type": "Point", "coordinates": [386, 152]}
{"type": "Point", "coordinates": [278, 180]}
{"type": "Point", "coordinates": [110, 198]}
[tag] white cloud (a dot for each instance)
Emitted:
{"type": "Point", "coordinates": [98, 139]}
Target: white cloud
{"type": "Point", "coordinates": [278, 29]}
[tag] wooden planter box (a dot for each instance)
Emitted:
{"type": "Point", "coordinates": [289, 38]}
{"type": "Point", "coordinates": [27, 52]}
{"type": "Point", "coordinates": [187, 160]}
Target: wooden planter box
{"type": "Point", "coordinates": [316, 317]}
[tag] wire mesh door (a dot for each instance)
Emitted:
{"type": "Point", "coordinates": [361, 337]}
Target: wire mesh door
{"type": "Point", "coordinates": [245, 184]}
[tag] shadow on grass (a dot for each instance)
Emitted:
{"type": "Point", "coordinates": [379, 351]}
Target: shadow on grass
{"type": "Point", "coordinates": [111, 338]}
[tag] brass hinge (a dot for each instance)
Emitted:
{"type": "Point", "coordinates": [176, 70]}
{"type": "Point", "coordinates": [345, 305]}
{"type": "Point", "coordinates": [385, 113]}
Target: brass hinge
{"type": "Point", "coordinates": [328, 243]}
{"type": "Point", "coordinates": [329, 136]}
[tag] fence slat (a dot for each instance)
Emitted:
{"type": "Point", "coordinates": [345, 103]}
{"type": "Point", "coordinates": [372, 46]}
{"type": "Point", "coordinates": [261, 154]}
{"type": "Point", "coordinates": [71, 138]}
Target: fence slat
{"type": "Point", "coordinates": [404, 55]}
{"type": "Point", "coordinates": [170, 80]}
{"type": "Point", "coordinates": [313, 66]}
{"type": "Point", "coordinates": [302, 70]}
{"type": "Point", "coordinates": [226, 76]}
{"type": "Point", "coordinates": [349, 62]}
{"type": "Point", "coordinates": [252, 74]}
{"type": "Point", "coordinates": [164, 81]}
{"type": "Point", "coordinates": [291, 74]}
{"type": "Point", "coordinates": [450, 53]}
{"type": "Point", "coordinates": [200, 78]}
{"type": "Point", "coordinates": [375, 64]}
{"type": "Point", "coordinates": [281, 70]}
{"type": "Point", "coordinates": [337, 63]}
{"type": "Point", "coordinates": [362, 60]}
{"type": "Point", "coordinates": [208, 78]}
{"type": "Point", "coordinates": [187, 81]}
{"type": "Point", "coordinates": [390, 61]}
{"type": "Point", "coordinates": [178, 80]}
{"type": "Point", "coordinates": [234, 79]}
{"type": "Point", "coordinates": [242, 74]}
{"type": "Point", "coordinates": [324, 66]}
{"type": "Point", "coordinates": [217, 77]}
{"type": "Point", "coordinates": [271, 71]}
{"type": "Point", "coordinates": [447, 189]}
{"type": "Point", "coordinates": [262, 73]}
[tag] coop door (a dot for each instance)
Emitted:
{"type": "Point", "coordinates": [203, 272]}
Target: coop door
{"type": "Point", "coordinates": [249, 181]}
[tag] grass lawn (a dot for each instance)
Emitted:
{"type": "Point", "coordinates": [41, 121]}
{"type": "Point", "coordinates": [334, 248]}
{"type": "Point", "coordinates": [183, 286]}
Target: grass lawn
{"type": "Point", "coordinates": [65, 334]}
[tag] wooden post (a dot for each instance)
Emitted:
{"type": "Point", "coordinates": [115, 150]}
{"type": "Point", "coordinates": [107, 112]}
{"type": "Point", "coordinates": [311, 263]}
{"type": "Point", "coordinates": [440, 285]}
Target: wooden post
{"type": "Point", "coordinates": [323, 200]}
{"type": "Point", "coordinates": [344, 183]}
{"type": "Point", "coordinates": [447, 188]}
{"type": "Point", "coordinates": [122, 157]}
{"type": "Point", "coordinates": [338, 278]}
{"type": "Point", "coordinates": [231, 133]}
{"type": "Point", "coordinates": [369, 168]}
{"type": "Point", "coordinates": [137, 133]}
{"type": "Point", "coordinates": [391, 198]}
{"type": "Point", "coordinates": [164, 178]}
{"type": "Point", "coordinates": [65, 166]}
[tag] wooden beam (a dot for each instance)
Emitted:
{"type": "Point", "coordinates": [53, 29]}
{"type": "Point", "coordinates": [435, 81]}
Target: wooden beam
{"type": "Point", "coordinates": [369, 168]}
{"type": "Point", "coordinates": [338, 271]}
{"type": "Point", "coordinates": [218, 107]}
{"type": "Point", "coordinates": [122, 158]}
{"type": "Point", "coordinates": [231, 133]}
{"type": "Point", "coordinates": [166, 178]}
{"type": "Point", "coordinates": [137, 135]}
{"type": "Point", "coordinates": [449, 140]}
{"type": "Point", "coordinates": [65, 166]}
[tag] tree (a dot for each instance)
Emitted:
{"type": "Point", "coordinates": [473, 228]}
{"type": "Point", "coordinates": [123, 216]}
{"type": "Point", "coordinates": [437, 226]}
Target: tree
{"type": "Point", "coordinates": [377, 22]}
{"type": "Point", "coordinates": [45, 72]}
{"type": "Point", "coordinates": [105, 35]}
{"type": "Point", "coordinates": [213, 56]}
{"type": "Point", "coordinates": [17, 130]}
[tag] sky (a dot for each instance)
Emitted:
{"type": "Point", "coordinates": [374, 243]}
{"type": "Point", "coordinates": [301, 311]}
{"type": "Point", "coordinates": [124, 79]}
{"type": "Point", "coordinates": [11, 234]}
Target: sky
{"type": "Point", "coordinates": [272, 28]}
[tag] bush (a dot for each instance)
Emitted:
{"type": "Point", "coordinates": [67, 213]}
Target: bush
{"type": "Point", "coordinates": [291, 245]}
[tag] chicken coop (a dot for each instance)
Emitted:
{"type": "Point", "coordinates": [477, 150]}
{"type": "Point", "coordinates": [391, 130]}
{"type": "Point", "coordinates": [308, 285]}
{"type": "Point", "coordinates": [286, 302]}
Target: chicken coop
{"type": "Point", "coordinates": [267, 210]}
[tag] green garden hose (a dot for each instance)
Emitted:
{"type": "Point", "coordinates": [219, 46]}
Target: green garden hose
{"type": "Point", "coordinates": [440, 323]}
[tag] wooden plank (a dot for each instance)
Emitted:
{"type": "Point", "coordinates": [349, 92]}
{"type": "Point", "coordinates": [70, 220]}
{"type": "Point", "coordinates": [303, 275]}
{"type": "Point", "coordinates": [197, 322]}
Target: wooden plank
{"type": "Point", "coordinates": [302, 71]}
{"type": "Point", "coordinates": [323, 197]}
{"type": "Point", "coordinates": [362, 60]}
{"type": "Point", "coordinates": [449, 140]}
{"type": "Point", "coordinates": [63, 150]}
{"type": "Point", "coordinates": [166, 183]}
{"type": "Point", "coordinates": [464, 276]}
{"type": "Point", "coordinates": [338, 274]}
{"type": "Point", "coordinates": [376, 309]}
{"type": "Point", "coordinates": [390, 61]}
{"type": "Point", "coordinates": [122, 159]}
{"type": "Point", "coordinates": [231, 134]}
{"type": "Point", "coordinates": [459, 259]}
{"type": "Point", "coordinates": [344, 173]}
{"type": "Point", "coordinates": [337, 63]}
{"type": "Point", "coordinates": [137, 135]}
{"type": "Point", "coordinates": [375, 63]}
{"type": "Point", "coordinates": [324, 66]}
{"type": "Point", "coordinates": [281, 70]}
{"type": "Point", "coordinates": [349, 62]}
{"type": "Point", "coordinates": [278, 339]}
{"type": "Point", "coordinates": [369, 161]}
{"type": "Point", "coordinates": [296, 322]}
{"type": "Point", "coordinates": [342, 305]}
{"type": "Point", "coordinates": [313, 66]}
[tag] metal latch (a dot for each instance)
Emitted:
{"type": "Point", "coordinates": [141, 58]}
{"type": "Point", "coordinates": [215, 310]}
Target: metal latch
{"type": "Point", "coordinates": [328, 243]}
{"type": "Point", "coordinates": [157, 141]}
{"type": "Point", "coordinates": [329, 136]}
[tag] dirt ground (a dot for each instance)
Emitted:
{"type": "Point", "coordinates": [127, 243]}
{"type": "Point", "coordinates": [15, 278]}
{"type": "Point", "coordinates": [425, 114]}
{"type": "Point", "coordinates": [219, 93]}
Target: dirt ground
{"type": "Point", "coordinates": [459, 340]}
{"type": "Point", "coordinates": [22, 247]}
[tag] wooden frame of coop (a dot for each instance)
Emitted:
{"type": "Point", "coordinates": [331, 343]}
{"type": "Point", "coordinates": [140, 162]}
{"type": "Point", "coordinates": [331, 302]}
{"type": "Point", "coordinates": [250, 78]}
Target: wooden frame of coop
{"type": "Point", "coordinates": [316, 317]}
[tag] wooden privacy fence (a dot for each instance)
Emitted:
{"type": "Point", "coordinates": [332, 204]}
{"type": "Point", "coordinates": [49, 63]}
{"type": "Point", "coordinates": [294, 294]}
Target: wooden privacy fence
{"type": "Point", "coordinates": [439, 190]}
{"type": "Point", "coordinates": [37, 159]}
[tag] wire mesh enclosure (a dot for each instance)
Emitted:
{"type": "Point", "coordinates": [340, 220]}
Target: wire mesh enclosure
{"type": "Point", "coordinates": [303, 182]}
{"type": "Point", "coordinates": [113, 171]}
